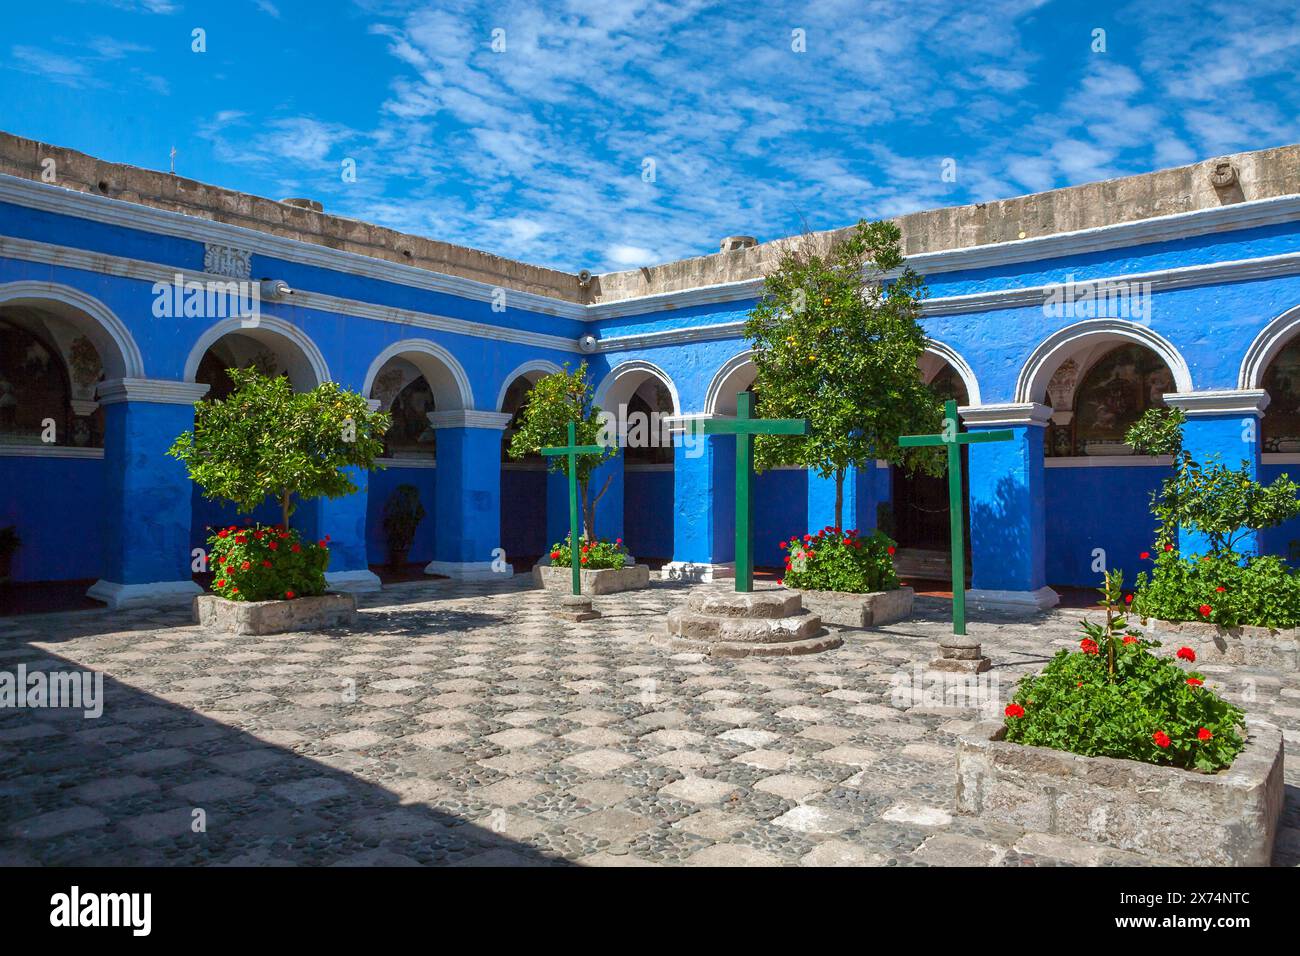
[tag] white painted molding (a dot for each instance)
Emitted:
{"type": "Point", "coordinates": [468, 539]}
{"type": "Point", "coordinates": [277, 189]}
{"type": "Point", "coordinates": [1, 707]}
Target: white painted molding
{"type": "Point", "coordinates": [469, 570]}
{"type": "Point", "coordinates": [1220, 402]}
{"type": "Point", "coordinates": [373, 404]}
{"type": "Point", "coordinates": [1015, 601]}
{"type": "Point", "coordinates": [158, 391]}
{"type": "Point", "coordinates": [469, 418]}
{"type": "Point", "coordinates": [951, 356]}
{"type": "Point", "coordinates": [1108, 461]}
{"type": "Point", "coordinates": [50, 451]}
{"type": "Point", "coordinates": [1280, 458]}
{"type": "Point", "coordinates": [1272, 339]}
{"type": "Point", "coordinates": [1047, 357]}
{"type": "Point", "coordinates": [713, 395]}
{"type": "Point", "coordinates": [651, 340]}
{"type": "Point", "coordinates": [1006, 415]}
{"type": "Point", "coordinates": [122, 360]}
{"type": "Point", "coordinates": [264, 323]}
{"type": "Point", "coordinates": [353, 582]}
{"type": "Point", "coordinates": [156, 594]}
{"type": "Point", "coordinates": [542, 366]}
{"type": "Point", "coordinates": [69, 202]}
{"type": "Point", "coordinates": [445, 375]}
{"type": "Point", "coordinates": [632, 367]}
{"type": "Point", "coordinates": [407, 462]}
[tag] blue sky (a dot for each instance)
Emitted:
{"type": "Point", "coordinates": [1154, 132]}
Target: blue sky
{"type": "Point", "coordinates": [539, 151]}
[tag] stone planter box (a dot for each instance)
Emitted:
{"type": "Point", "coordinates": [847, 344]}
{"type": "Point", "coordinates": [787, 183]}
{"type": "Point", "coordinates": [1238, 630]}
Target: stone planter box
{"type": "Point", "coordinates": [605, 581]}
{"type": "Point", "coordinates": [1249, 644]}
{"type": "Point", "coordinates": [1225, 819]}
{"type": "Point", "coordinates": [275, 617]}
{"type": "Point", "coordinates": [874, 609]}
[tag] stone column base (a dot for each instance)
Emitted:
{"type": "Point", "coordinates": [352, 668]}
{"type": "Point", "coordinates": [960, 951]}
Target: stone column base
{"type": "Point", "coordinates": [353, 582]}
{"type": "Point", "coordinates": [153, 594]}
{"type": "Point", "coordinates": [690, 571]}
{"type": "Point", "coordinates": [1023, 601]}
{"type": "Point", "coordinates": [469, 570]}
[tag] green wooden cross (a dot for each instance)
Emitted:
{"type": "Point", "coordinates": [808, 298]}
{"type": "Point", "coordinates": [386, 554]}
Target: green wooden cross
{"type": "Point", "coordinates": [572, 451]}
{"type": "Point", "coordinates": [745, 427]}
{"type": "Point", "coordinates": [953, 440]}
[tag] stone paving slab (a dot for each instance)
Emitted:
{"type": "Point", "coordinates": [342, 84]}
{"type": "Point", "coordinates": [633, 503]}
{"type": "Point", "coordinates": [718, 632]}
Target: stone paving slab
{"type": "Point", "coordinates": [462, 724]}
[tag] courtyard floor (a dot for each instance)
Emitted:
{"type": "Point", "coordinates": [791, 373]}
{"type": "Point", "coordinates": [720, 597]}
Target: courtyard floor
{"type": "Point", "coordinates": [462, 724]}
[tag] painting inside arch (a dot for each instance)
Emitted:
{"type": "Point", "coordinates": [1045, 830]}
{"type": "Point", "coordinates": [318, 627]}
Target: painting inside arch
{"type": "Point", "coordinates": [1281, 424]}
{"type": "Point", "coordinates": [37, 389]}
{"type": "Point", "coordinates": [1117, 390]}
{"type": "Point", "coordinates": [411, 435]}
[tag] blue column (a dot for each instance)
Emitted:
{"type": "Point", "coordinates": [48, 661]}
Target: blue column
{"type": "Point", "coordinates": [704, 507]}
{"type": "Point", "coordinates": [146, 494]}
{"type": "Point", "coordinates": [344, 520]}
{"type": "Point", "coordinates": [468, 495]}
{"type": "Point", "coordinates": [1223, 426]}
{"type": "Point", "coordinates": [1008, 509]}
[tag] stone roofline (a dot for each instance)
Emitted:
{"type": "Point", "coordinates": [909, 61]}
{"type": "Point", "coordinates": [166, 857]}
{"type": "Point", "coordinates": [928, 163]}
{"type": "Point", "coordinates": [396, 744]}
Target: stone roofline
{"type": "Point", "coordinates": [1210, 184]}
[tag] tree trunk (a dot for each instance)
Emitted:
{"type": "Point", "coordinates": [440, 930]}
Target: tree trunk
{"type": "Point", "coordinates": [839, 498]}
{"type": "Point", "coordinates": [588, 513]}
{"type": "Point", "coordinates": [284, 507]}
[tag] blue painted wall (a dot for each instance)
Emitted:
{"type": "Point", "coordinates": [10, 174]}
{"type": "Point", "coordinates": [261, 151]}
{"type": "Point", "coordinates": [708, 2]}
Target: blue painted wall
{"type": "Point", "coordinates": [382, 484]}
{"type": "Point", "coordinates": [648, 513]}
{"type": "Point", "coordinates": [523, 513]}
{"type": "Point", "coordinates": [1091, 507]}
{"type": "Point", "coordinates": [57, 505]}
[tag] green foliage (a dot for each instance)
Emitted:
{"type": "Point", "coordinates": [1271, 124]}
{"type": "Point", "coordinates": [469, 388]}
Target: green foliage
{"type": "Point", "coordinates": [1221, 503]}
{"type": "Point", "coordinates": [837, 348]}
{"type": "Point", "coordinates": [264, 440]}
{"type": "Point", "coordinates": [1115, 698]}
{"type": "Point", "coordinates": [1220, 589]}
{"type": "Point", "coordinates": [266, 563]}
{"type": "Point", "coordinates": [553, 402]}
{"type": "Point", "coordinates": [403, 513]}
{"type": "Point", "coordinates": [835, 560]}
{"type": "Point", "coordinates": [592, 555]}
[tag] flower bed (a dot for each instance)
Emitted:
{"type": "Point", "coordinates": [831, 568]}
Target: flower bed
{"type": "Point", "coordinates": [266, 563]}
{"type": "Point", "coordinates": [846, 579]}
{"type": "Point", "coordinates": [592, 555]}
{"type": "Point", "coordinates": [1222, 589]}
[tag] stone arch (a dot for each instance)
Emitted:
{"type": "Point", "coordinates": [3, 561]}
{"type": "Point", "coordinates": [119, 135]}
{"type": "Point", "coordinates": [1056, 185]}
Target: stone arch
{"type": "Point", "coordinates": [117, 348]}
{"type": "Point", "coordinates": [532, 370]}
{"type": "Point", "coordinates": [446, 377]}
{"type": "Point", "coordinates": [625, 378]}
{"type": "Point", "coordinates": [305, 364]}
{"type": "Point", "coordinates": [1271, 340]}
{"type": "Point", "coordinates": [734, 375]}
{"type": "Point", "coordinates": [941, 355]}
{"type": "Point", "coordinates": [1052, 352]}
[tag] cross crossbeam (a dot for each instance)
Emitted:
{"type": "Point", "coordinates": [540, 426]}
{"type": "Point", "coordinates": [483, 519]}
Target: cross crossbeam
{"type": "Point", "coordinates": [571, 451]}
{"type": "Point", "coordinates": [952, 439]}
{"type": "Point", "coordinates": [744, 426]}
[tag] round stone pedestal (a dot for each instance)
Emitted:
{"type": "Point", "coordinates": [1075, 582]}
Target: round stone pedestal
{"type": "Point", "coordinates": [766, 623]}
{"type": "Point", "coordinates": [576, 607]}
{"type": "Point", "coordinates": [960, 654]}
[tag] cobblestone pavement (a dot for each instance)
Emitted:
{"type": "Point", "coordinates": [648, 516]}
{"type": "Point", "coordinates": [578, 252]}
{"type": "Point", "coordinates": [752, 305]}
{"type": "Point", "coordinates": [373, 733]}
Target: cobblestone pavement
{"type": "Point", "coordinates": [464, 725]}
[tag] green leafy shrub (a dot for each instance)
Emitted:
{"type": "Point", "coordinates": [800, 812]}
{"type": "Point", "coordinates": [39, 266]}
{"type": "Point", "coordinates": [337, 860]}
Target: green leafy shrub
{"type": "Point", "coordinates": [266, 563]}
{"type": "Point", "coordinates": [1114, 698]}
{"type": "Point", "coordinates": [593, 555]}
{"type": "Point", "coordinates": [835, 560]}
{"type": "Point", "coordinates": [1220, 589]}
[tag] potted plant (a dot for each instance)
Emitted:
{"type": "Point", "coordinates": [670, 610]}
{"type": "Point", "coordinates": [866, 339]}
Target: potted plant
{"type": "Point", "coordinates": [266, 441]}
{"type": "Point", "coordinates": [9, 542]}
{"type": "Point", "coordinates": [1115, 744]}
{"type": "Point", "coordinates": [847, 579]}
{"type": "Point", "coordinates": [402, 515]}
{"type": "Point", "coordinates": [604, 567]}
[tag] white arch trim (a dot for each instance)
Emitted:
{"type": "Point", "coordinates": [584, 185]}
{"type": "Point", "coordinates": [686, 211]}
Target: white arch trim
{"type": "Point", "coordinates": [631, 367]}
{"type": "Point", "coordinates": [1062, 344]}
{"type": "Point", "coordinates": [315, 359]}
{"type": "Point", "coordinates": [127, 363]}
{"type": "Point", "coordinates": [1274, 337]}
{"type": "Point", "coordinates": [533, 365]}
{"type": "Point", "coordinates": [455, 376]}
{"type": "Point", "coordinates": [713, 398]}
{"type": "Point", "coordinates": [959, 365]}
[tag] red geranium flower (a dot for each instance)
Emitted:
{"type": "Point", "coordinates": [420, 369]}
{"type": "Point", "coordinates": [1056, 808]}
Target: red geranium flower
{"type": "Point", "coordinates": [259, 535]}
{"type": "Point", "coordinates": [266, 564]}
{"type": "Point", "coordinates": [244, 566]}
{"type": "Point", "coordinates": [1161, 738]}
{"type": "Point", "coordinates": [584, 561]}
{"type": "Point", "coordinates": [1220, 589]}
{"type": "Point", "coordinates": [1205, 610]}
{"type": "Point", "coordinates": [290, 595]}
{"type": "Point", "coordinates": [1195, 681]}
{"type": "Point", "coordinates": [780, 582]}
{"type": "Point", "coordinates": [1187, 654]}
{"type": "Point", "coordinates": [1145, 555]}
{"type": "Point", "coordinates": [891, 549]}
{"type": "Point", "coordinates": [273, 545]}
{"type": "Point", "coordinates": [1015, 710]}
{"type": "Point", "coordinates": [322, 543]}
{"type": "Point", "coordinates": [1204, 734]}
{"type": "Point", "coordinates": [1169, 547]}
{"type": "Point", "coordinates": [240, 538]}
{"type": "Point", "coordinates": [223, 534]}
{"type": "Point", "coordinates": [618, 540]}
{"type": "Point", "coordinates": [1128, 599]}
{"type": "Point", "coordinates": [555, 554]}
{"type": "Point", "coordinates": [1130, 639]}
{"type": "Point", "coordinates": [296, 548]}
{"type": "Point", "coordinates": [221, 583]}
{"type": "Point", "coordinates": [1088, 646]}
